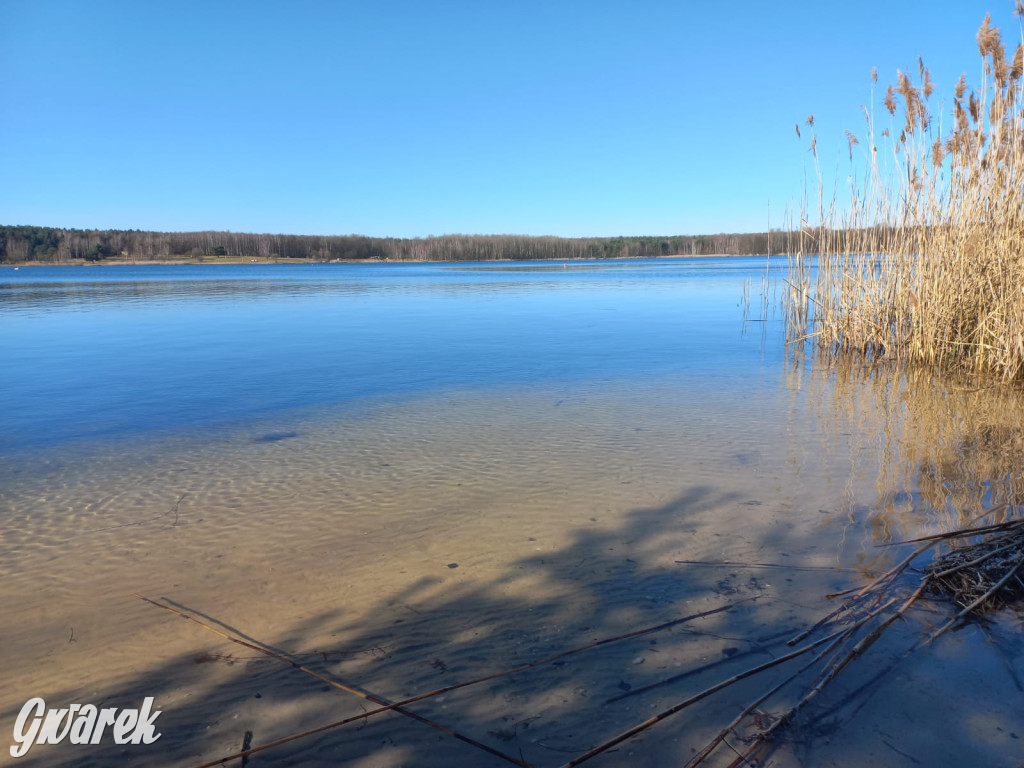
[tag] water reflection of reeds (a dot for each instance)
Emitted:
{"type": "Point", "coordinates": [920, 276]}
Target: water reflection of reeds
{"type": "Point", "coordinates": [942, 451]}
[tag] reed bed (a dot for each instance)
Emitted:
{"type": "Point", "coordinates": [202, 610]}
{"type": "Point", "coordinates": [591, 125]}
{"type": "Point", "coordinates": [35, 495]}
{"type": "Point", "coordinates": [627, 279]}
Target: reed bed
{"type": "Point", "coordinates": [925, 262]}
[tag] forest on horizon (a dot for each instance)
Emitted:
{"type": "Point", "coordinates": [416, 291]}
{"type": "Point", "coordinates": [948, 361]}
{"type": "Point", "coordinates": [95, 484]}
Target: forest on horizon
{"type": "Point", "coordinates": [21, 244]}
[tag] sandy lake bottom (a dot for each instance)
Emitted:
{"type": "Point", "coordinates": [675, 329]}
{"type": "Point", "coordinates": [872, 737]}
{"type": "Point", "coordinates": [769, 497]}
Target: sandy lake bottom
{"type": "Point", "coordinates": [407, 477]}
{"type": "Point", "coordinates": [415, 544]}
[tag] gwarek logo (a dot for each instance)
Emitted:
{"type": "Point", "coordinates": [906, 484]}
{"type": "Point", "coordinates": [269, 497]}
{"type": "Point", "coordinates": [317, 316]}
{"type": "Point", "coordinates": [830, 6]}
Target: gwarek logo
{"type": "Point", "coordinates": [84, 724]}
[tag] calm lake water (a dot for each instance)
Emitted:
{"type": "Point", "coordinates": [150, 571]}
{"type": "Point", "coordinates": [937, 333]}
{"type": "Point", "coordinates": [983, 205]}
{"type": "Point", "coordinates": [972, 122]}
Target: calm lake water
{"type": "Point", "coordinates": [93, 352]}
{"type": "Point", "coordinates": [411, 475]}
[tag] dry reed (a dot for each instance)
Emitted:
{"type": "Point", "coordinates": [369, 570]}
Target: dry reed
{"type": "Point", "coordinates": [925, 264]}
{"type": "Point", "coordinates": [848, 632]}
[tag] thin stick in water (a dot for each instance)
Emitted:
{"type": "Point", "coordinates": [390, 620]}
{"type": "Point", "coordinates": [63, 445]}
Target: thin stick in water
{"type": "Point", "coordinates": [695, 698]}
{"type": "Point", "coordinates": [342, 686]}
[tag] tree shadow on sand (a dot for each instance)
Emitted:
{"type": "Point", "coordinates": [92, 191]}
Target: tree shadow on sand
{"type": "Point", "coordinates": [455, 627]}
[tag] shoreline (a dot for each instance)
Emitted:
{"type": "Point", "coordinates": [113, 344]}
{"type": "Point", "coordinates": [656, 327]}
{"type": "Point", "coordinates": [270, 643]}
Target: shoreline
{"type": "Point", "coordinates": [214, 261]}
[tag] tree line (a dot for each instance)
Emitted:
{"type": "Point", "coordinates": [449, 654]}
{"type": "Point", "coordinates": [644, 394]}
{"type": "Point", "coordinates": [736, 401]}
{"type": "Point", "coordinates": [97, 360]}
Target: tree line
{"type": "Point", "coordinates": [19, 244]}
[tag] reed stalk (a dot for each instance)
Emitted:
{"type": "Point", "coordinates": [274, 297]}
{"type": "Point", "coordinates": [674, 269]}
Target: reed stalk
{"type": "Point", "coordinates": [925, 262]}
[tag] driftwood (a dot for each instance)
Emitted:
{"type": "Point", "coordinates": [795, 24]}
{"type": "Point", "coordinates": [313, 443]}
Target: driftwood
{"type": "Point", "coordinates": [1010, 566]}
{"type": "Point", "coordinates": [986, 574]}
{"type": "Point", "coordinates": [783, 566]}
{"type": "Point", "coordinates": [398, 706]}
{"type": "Point", "coordinates": [983, 576]}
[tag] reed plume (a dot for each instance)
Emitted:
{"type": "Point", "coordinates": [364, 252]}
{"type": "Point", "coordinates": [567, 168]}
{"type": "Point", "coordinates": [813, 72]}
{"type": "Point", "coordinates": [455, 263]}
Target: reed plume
{"type": "Point", "coordinates": [925, 262]}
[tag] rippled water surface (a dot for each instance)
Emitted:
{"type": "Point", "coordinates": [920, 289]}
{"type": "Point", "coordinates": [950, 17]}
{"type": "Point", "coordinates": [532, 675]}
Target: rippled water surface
{"type": "Point", "coordinates": [411, 475]}
{"type": "Point", "coordinates": [105, 351]}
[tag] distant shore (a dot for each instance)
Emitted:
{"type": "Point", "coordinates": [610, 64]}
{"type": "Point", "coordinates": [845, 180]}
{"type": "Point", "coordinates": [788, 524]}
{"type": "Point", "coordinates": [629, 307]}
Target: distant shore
{"type": "Point", "coordinates": [215, 260]}
{"type": "Point", "coordinates": [51, 245]}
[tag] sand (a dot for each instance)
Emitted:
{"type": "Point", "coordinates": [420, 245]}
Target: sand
{"type": "Point", "coordinates": [401, 546]}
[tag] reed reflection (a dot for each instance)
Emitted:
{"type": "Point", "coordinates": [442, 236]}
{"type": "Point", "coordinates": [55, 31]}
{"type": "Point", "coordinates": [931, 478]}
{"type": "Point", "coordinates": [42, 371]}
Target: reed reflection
{"type": "Point", "coordinates": [942, 451]}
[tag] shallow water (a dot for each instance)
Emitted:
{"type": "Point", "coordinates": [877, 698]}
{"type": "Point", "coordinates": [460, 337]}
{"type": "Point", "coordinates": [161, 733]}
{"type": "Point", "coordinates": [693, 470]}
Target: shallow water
{"type": "Point", "coordinates": [106, 351]}
{"type": "Point", "coordinates": [413, 475]}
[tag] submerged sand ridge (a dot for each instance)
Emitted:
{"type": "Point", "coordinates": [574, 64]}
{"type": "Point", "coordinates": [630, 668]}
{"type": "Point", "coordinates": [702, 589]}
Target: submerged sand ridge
{"type": "Point", "coordinates": [408, 545]}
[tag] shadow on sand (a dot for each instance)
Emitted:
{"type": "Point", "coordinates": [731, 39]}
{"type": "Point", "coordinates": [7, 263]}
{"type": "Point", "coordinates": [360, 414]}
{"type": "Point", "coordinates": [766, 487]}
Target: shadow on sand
{"type": "Point", "coordinates": [455, 627]}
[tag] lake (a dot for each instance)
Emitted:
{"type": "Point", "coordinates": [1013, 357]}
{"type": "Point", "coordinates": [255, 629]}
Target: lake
{"type": "Point", "coordinates": [406, 476]}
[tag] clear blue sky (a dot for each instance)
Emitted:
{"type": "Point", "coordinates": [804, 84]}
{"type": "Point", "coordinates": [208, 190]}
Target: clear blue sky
{"type": "Point", "coordinates": [430, 117]}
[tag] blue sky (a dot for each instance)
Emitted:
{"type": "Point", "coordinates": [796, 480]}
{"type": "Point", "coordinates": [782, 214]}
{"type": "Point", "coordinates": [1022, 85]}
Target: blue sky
{"type": "Point", "coordinates": [415, 118]}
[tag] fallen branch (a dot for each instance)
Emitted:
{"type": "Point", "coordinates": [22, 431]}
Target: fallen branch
{"type": "Point", "coordinates": [711, 745]}
{"type": "Point", "coordinates": [995, 588]}
{"type": "Point", "coordinates": [695, 698]}
{"type": "Point", "coordinates": [691, 672]}
{"type": "Point", "coordinates": [446, 689]}
{"type": "Point", "coordinates": [889, 575]}
{"type": "Point", "coordinates": [785, 566]}
{"type": "Point", "coordinates": [959, 532]}
{"type": "Point", "coordinates": [976, 561]}
{"type": "Point", "coordinates": [341, 686]}
{"type": "Point", "coordinates": [832, 671]}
